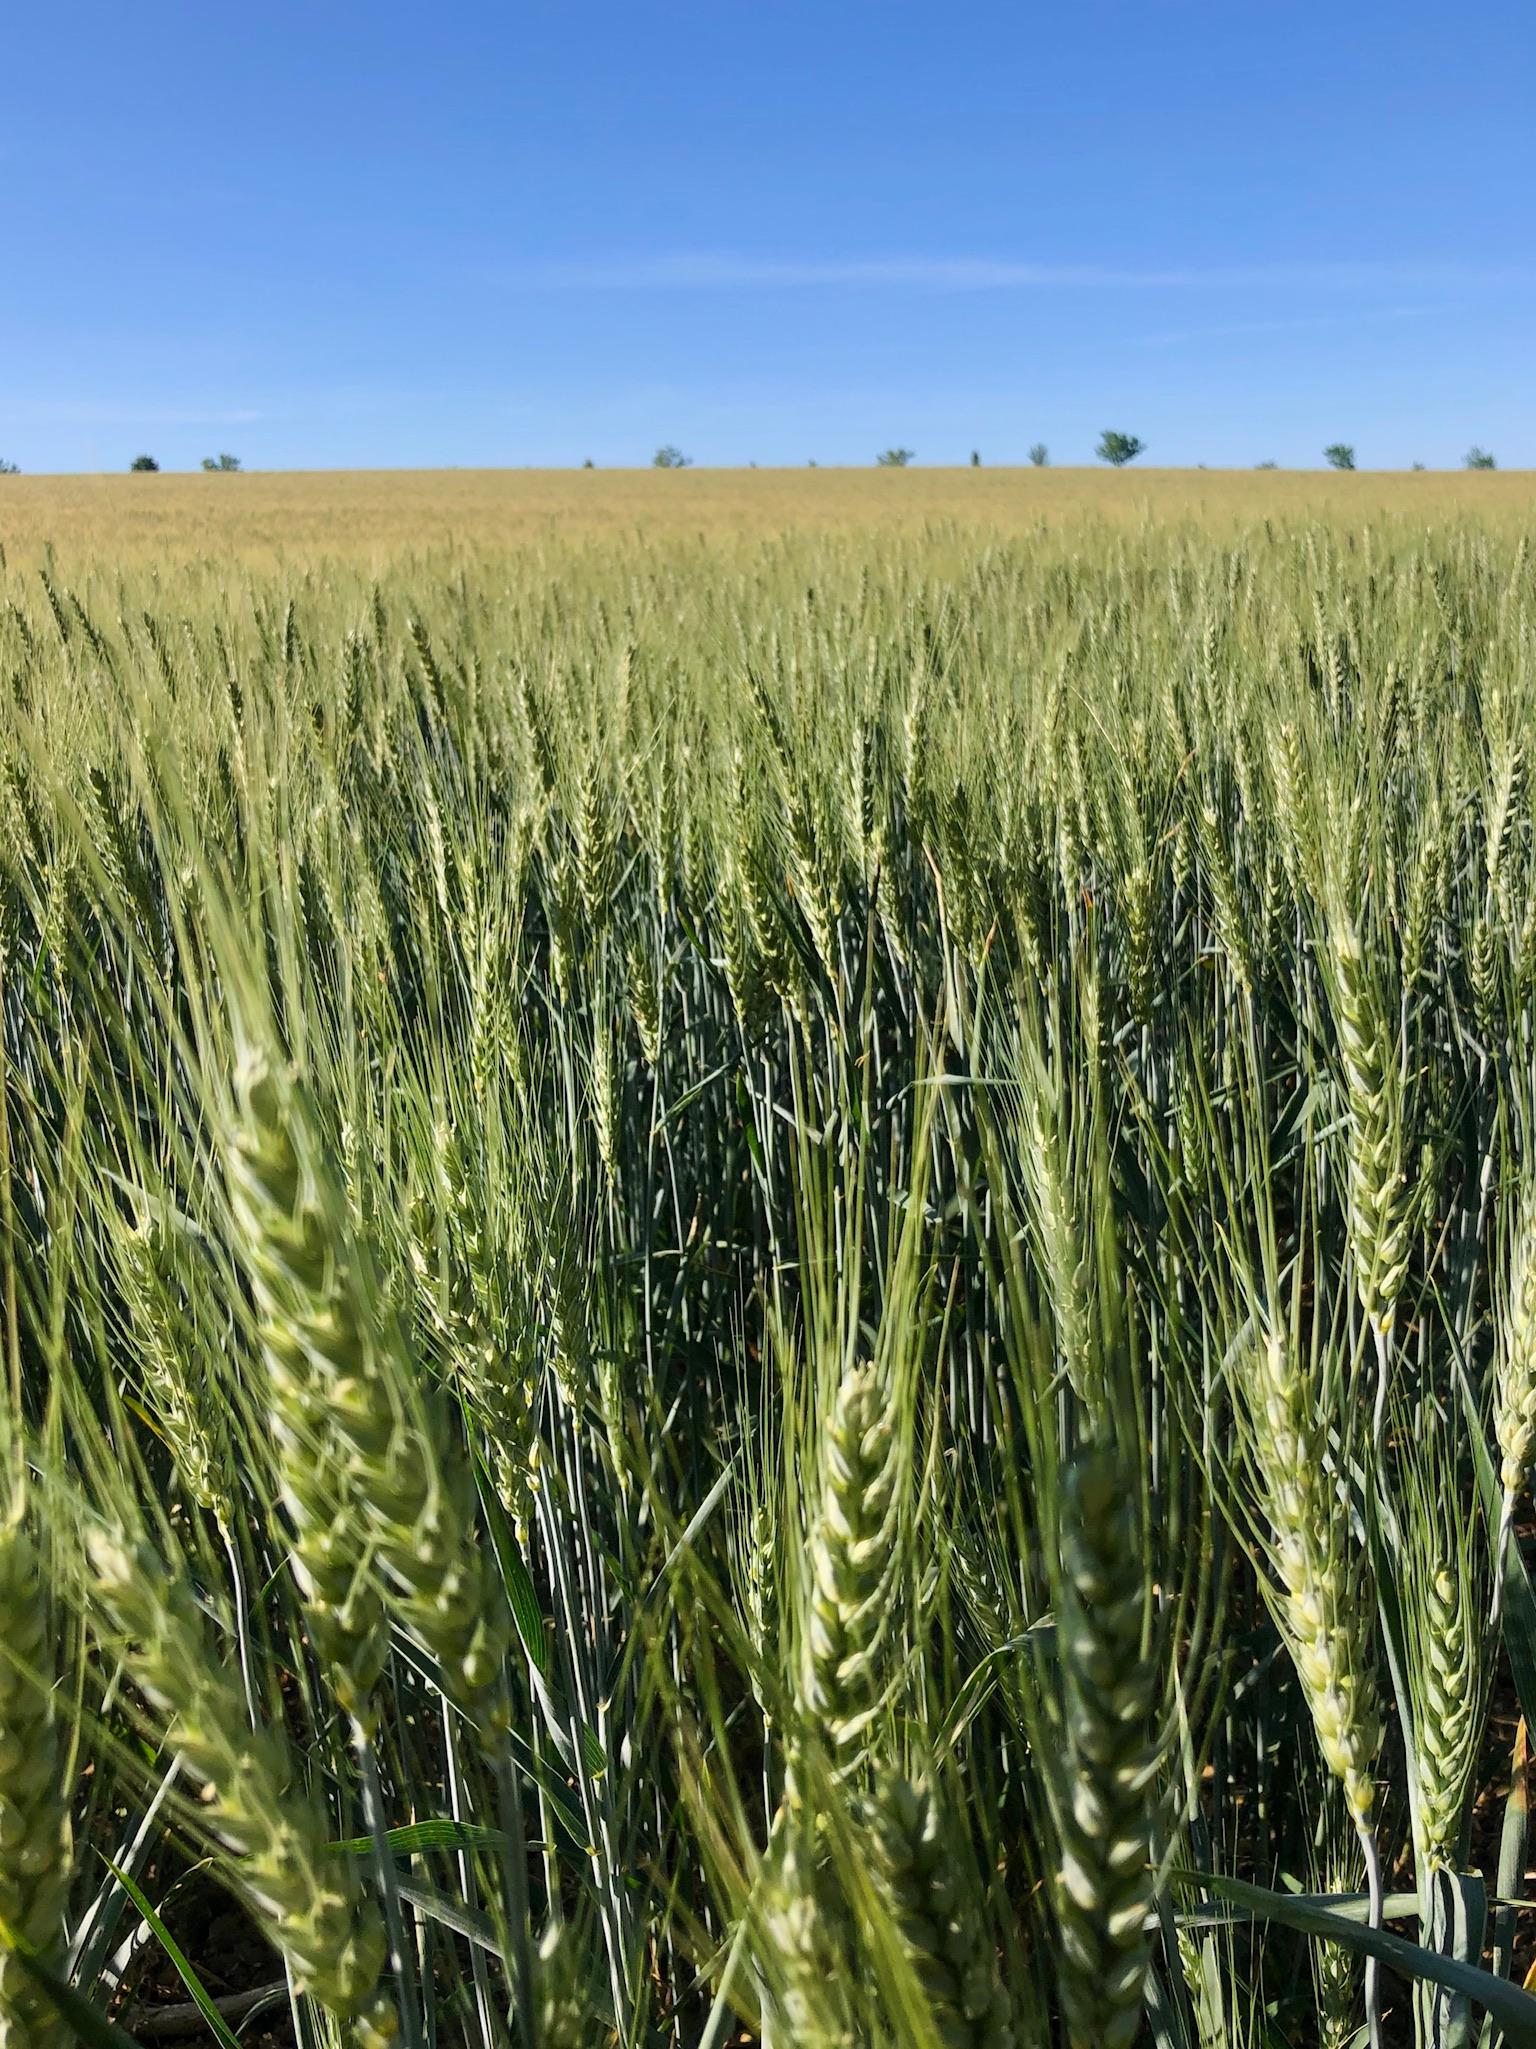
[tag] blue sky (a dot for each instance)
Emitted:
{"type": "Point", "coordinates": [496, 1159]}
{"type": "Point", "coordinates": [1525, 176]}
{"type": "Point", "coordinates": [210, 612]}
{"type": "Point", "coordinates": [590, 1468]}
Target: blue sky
{"type": "Point", "coordinates": [333, 234]}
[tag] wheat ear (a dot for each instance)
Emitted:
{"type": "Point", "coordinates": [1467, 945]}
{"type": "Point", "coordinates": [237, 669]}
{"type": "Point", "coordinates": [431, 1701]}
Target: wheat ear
{"type": "Point", "coordinates": [934, 1894]}
{"type": "Point", "coordinates": [34, 1820]}
{"type": "Point", "coordinates": [1378, 1207]}
{"type": "Point", "coordinates": [277, 1838]}
{"type": "Point", "coordinates": [853, 1566]}
{"type": "Point", "coordinates": [1515, 1384]}
{"type": "Point", "coordinates": [366, 1469]}
{"type": "Point", "coordinates": [1322, 1607]}
{"type": "Point", "coordinates": [1105, 1887]}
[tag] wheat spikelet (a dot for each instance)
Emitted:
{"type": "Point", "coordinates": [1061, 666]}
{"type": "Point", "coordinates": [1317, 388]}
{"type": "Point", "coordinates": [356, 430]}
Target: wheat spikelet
{"type": "Point", "coordinates": [1377, 1199]}
{"type": "Point", "coordinates": [933, 1892]}
{"type": "Point", "coordinates": [569, 1320]}
{"type": "Point", "coordinates": [500, 1389]}
{"type": "Point", "coordinates": [1288, 771]}
{"type": "Point", "coordinates": [1105, 1884]}
{"type": "Point", "coordinates": [975, 1577]}
{"type": "Point", "coordinates": [1322, 1608]}
{"type": "Point", "coordinates": [595, 848]}
{"type": "Point", "coordinates": [1448, 1716]}
{"type": "Point", "coordinates": [916, 722]}
{"type": "Point", "coordinates": [1422, 900]}
{"type": "Point", "coordinates": [467, 1309]}
{"type": "Point", "coordinates": [1514, 1412]}
{"type": "Point", "coordinates": [176, 1381]}
{"type": "Point", "coordinates": [801, 1941]}
{"type": "Point", "coordinates": [740, 958]}
{"type": "Point", "coordinates": [34, 1819]}
{"type": "Point", "coordinates": [645, 999]}
{"type": "Point", "coordinates": [754, 863]}
{"type": "Point", "coordinates": [1048, 1164]}
{"type": "Point", "coordinates": [1140, 947]}
{"type": "Point", "coordinates": [1226, 899]}
{"type": "Point", "coordinates": [862, 798]}
{"type": "Point", "coordinates": [1483, 974]}
{"type": "Point", "coordinates": [1443, 1571]}
{"type": "Point", "coordinates": [604, 1083]}
{"type": "Point", "coordinates": [492, 1027]}
{"type": "Point", "coordinates": [1515, 1399]}
{"type": "Point", "coordinates": [366, 1472]}
{"type": "Point", "coordinates": [755, 1577]}
{"type": "Point", "coordinates": [811, 888]}
{"type": "Point", "coordinates": [1503, 792]}
{"type": "Point", "coordinates": [277, 1838]}
{"type": "Point", "coordinates": [437, 847]}
{"type": "Point", "coordinates": [320, 1373]}
{"type": "Point", "coordinates": [853, 1566]}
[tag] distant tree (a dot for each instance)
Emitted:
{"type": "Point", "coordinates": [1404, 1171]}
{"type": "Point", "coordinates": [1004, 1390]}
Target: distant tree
{"type": "Point", "coordinates": [1118, 448]}
{"type": "Point", "coordinates": [1266, 465]}
{"type": "Point", "coordinates": [1040, 455]}
{"type": "Point", "coordinates": [9, 469]}
{"type": "Point", "coordinates": [1416, 465]}
{"type": "Point", "coordinates": [1339, 455]}
{"type": "Point", "coordinates": [975, 458]}
{"type": "Point", "coordinates": [670, 458]}
{"type": "Point", "coordinates": [811, 464]}
{"type": "Point", "coordinates": [1479, 459]}
{"type": "Point", "coordinates": [894, 458]}
{"type": "Point", "coordinates": [143, 462]}
{"type": "Point", "coordinates": [588, 463]}
{"type": "Point", "coordinates": [225, 464]}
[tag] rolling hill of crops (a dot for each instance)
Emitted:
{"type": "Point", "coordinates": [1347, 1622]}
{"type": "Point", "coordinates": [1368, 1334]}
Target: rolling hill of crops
{"type": "Point", "coordinates": [769, 1282]}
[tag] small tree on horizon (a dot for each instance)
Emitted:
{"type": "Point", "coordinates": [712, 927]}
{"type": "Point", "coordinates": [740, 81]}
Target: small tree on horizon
{"type": "Point", "coordinates": [143, 462]}
{"type": "Point", "coordinates": [1339, 455]}
{"type": "Point", "coordinates": [670, 458]}
{"type": "Point", "coordinates": [975, 458]}
{"type": "Point", "coordinates": [1040, 455]}
{"type": "Point", "coordinates": [1117, 448]}
{"type": "Point", "coordinates": [9, 469]}
{"type": "Point", "coordinates": [226, 465]}
{"type": "Point", "coordinates": [1479, 459]}
{"type": "Point", "coordinates": [1266, 465]}
{"type": "Point", "coordinates": [894, 458]}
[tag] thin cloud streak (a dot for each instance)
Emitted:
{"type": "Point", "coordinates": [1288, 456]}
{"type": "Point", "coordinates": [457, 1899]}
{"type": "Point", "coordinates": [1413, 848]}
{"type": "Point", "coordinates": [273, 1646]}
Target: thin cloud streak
{"type": "Point", "coordinates": [1304, 324]}
{"type": "Point", "coordinates": [88, 413]}
{"type": "Point", "coordinates": [713, 271]}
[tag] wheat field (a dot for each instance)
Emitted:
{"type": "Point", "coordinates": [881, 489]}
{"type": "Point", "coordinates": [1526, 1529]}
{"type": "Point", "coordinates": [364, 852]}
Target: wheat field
{"type": "Point", "coordinates": [769, 1260]}
{"type": "Point", "coordinates": [374, 518]}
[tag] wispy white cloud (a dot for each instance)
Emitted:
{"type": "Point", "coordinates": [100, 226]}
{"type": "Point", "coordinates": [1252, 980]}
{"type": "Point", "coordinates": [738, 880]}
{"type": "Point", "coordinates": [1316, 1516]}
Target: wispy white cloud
{"type": "Point", "coordinates": [1302, 324]}
{"type": "Point", "coordinates": [47, 412]}
{"type": "Point", "coordinates": [722, 271]}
